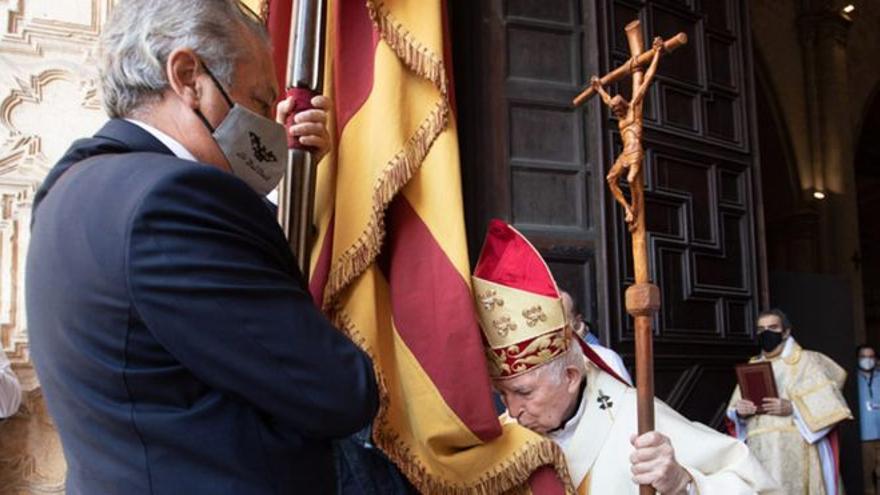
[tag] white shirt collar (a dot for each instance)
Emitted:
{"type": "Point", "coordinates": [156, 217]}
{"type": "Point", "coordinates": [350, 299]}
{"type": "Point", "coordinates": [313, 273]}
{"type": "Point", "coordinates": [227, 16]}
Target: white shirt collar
{"type": "Point", "coordinates": [789, 345]}
{"type": "Point", "coordinates": [171, 143]}
{"type": "Point", "coordinates": [568, 428]}
{"type": "Point", "coordinates": [584, 435]}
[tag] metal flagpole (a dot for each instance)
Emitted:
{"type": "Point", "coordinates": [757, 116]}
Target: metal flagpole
{"type": "Point", "coordinates": [305, 77]}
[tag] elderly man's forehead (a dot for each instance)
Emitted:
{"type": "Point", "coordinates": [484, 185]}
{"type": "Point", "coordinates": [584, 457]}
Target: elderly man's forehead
{"type": "Point", "coordinates": [529, 379]}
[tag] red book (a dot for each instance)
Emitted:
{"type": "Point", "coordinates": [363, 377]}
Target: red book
{"type": "Point", "coordinates": [756, 382]}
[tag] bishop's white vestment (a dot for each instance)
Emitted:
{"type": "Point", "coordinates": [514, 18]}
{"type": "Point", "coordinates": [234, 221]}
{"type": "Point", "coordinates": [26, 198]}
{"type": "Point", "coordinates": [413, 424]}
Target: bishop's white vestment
{"type": "Point", "coordinates": [796, 449]}
{"type": "Point", "coordinates": [596, 443]}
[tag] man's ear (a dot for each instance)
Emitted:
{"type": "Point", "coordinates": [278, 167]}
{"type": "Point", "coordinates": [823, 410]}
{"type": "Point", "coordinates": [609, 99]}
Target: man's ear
{"type": "Point", "coordinates": [572, 379]}
{"type": "Point", "coordinates": [182, 70]}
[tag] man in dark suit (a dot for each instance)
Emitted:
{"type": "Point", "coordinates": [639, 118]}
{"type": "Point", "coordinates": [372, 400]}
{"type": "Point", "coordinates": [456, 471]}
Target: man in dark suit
{"type": "Point", "coordinates": [176, 344]}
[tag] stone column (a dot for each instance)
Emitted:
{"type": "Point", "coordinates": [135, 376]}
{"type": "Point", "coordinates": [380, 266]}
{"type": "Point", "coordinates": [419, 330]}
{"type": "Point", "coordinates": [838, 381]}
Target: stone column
{"type": "Point", "coordinates": [823, 33]}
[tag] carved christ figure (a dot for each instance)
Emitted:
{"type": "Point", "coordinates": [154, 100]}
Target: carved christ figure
{"type": "Point", "coordinates": [629, 116]}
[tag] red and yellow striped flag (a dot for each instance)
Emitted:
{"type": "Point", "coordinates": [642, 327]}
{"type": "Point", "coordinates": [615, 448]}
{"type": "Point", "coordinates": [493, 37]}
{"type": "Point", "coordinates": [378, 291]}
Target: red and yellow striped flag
{"type": "Point", "coordinates": [390, 264]}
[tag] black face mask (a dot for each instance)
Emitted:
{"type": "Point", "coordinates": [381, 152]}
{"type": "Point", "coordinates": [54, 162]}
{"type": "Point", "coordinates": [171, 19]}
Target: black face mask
{"type": "Point", "coordinates": [768, 340]}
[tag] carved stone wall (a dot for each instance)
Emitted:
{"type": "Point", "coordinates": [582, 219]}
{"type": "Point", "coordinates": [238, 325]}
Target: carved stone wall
{"type": "Point", "coordinates": [48, 98]}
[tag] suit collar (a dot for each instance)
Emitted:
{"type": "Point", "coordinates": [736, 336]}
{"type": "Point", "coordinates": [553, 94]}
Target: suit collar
{"type": "Point", "coordinates": [115, 137]}
{"type": "Point", "coordinates": [132, 136]}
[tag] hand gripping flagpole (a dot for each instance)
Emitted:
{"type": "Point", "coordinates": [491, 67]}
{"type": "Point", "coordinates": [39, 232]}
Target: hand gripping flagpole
{"type": "Point", "coordinates": [305, 77]}
{"type": "Point", "coordinates": [643, 297]}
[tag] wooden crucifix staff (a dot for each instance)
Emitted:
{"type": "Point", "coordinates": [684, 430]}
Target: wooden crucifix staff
{"type": "Point", "coordinates": [643, 297]}
{"type": "Point", "coordinates": [305, 76]}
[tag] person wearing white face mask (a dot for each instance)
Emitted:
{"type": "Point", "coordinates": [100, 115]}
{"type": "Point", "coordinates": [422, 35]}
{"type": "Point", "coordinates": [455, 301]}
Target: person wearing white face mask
{"type": "Point", "coordinates": [177, 345]}
{"type": "Point", "coordinates": [869, 416]}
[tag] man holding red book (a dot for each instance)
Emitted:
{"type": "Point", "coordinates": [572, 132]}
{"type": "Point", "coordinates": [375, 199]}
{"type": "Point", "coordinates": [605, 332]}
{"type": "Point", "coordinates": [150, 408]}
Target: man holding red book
{"type": "Point", "coordinates": [793, 434]}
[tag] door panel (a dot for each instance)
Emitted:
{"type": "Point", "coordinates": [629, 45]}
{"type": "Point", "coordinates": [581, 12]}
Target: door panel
{"type": "Point", "coordinates": [700, 171]}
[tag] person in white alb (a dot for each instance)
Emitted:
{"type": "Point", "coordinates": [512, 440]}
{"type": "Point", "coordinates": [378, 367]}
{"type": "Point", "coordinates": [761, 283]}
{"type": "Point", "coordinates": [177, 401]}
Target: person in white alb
{"type": "Point", "coordinates": [794, 435]}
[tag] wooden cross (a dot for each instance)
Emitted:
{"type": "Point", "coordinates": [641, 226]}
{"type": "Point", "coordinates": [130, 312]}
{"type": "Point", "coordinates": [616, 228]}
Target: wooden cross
{"type": "Point", "coordinates": [643, 297]}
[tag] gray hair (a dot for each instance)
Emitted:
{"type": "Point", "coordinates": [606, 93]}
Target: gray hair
{"type": "Point", "coordinates": [574, 356]}
{"type": "Point", "coordinates": [141, 34]}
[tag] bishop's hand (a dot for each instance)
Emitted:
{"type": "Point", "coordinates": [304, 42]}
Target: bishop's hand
{"type": "Point", "coordinates": [653, 463]}
{"type": "Point", "coordinates": [595, 83]}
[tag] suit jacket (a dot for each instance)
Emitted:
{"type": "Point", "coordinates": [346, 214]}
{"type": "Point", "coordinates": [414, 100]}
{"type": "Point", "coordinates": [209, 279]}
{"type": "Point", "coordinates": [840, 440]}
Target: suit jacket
{"type": "Point", "coordinates": [177, 347]}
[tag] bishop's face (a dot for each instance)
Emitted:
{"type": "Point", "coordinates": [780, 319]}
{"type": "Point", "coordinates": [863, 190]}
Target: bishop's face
{"type": "Point", "coordinates": [539, 400]}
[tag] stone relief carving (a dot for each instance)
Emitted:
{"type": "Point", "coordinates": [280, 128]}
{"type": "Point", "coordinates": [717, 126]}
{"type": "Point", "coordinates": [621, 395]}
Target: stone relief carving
{"type": "Point", "coordinates": [35, 27]}
{"type": "Point", "coordinates": [48, 98]}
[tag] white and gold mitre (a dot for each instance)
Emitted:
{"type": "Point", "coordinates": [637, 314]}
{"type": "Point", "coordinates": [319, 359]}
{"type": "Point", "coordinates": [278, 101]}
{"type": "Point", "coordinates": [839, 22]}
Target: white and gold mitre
{"type": "Point", "coordinates": [518, 303]}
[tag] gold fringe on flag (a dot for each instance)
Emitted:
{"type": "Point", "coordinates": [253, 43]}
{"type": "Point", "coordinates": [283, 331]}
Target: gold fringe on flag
{"type": "Point", "coordinates": [401, 168]}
